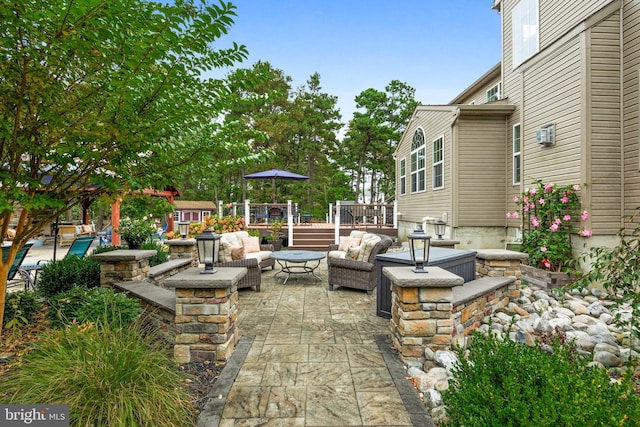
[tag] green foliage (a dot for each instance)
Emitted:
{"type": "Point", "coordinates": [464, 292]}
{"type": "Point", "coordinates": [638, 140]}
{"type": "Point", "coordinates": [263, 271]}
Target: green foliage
{"type": "Point", "coordinates": [103, 249]}
{"type": "Point", "coordinates": [21, 307]}
{"type": "Point", "coordinates": [62, 275]}
{"type": "Point", "coordinates": [144, 205]}
{"type": "Point", "coordinates": [96, 305]}
{"type": "Point", "coordinates": [162, 252]}
{"type": "Point", "coordinates": [510, 384]}
{"type": "Point", "coordinates": [617, 269]}
{"type": "Point", "coordinates": [549, 213]}
{"type": "Point", "coordinates": [136, 231]}
{"type": "Point", "coordinates": [109, 376]}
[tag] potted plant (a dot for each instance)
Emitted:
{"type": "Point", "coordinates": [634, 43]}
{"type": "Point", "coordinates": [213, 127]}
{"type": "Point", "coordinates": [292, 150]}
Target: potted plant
{"type": "Point", "coordinates": [135, 231]}
{"type": "Point", "coordinates": [276, 236]}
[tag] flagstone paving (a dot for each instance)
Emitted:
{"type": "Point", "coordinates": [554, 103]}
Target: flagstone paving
{"type": "Point", "coordinates": [312, 357]}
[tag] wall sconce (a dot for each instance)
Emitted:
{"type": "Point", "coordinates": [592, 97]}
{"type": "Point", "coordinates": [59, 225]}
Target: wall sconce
{"type": "Point", "coordinates": [208, 250]}
{"type": "Point", "coordinates": [440, 227]}
{"type": "Point", "coordinates": [183, 227]}
{"type": "Point", "coordinates": [419, 245]}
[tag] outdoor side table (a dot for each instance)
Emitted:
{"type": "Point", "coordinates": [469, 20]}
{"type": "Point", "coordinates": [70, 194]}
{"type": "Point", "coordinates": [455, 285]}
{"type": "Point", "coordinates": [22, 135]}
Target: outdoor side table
{"type": "Point", "coordinates": [295, 263]}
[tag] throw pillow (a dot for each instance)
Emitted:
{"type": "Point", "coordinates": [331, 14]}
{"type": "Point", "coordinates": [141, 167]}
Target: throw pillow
{"type": "Point", "coordinates": [237, 252]}
{"type": "Point", "coordinates": [349, 242]}
{"type": "Point", "coordinates": [251, 244]}
{"type": "Point", "coordinates": [225, 252]}
{"type": "Point", "coordinates": [368, 242]}
{"type": "Point", "coordinates": [87, 228]}
{"type": "Point", "coordinates": [352, 253]}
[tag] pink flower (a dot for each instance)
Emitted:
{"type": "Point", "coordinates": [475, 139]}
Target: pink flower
{"type": "Point", "coordinates": [526, 208]}
{"type": "Point", "coordinates": [548, 187]}
{"type": "Point", "coordinates": [541, 201]}
{"type": "Point", "coordinates": [566, 218]}
{"type": "Point", "coordinates": [508, 215]}
{"type": "Point", "coordinates": [515, 199]}
{"type": "Point", "coordinates": [564, 199]}
{"type": "Point", "coordinates": [525, 199]}
{"type": "Point", "coordinates": [586, 233]}
{"type": "Point", "coordinates": [515, 215]}
{"type": "Point", "coordinates": [554, 227]}
{"type": "Point", "coordinates": [558, 221]}
{"type": "Point", "coordinates": [543, 249]}
{"type": "Point", "coordinates": [533, 191]}
{"type": "Point", "coordinates": [585, 215]}
{"type": "Point", "coordinates": [535, 222]}
{"type": "Point", "coordinates": [576, 187]}
{"type": "Point", "coordinates": [546, 263]}
{"type": "Point", "coordinates": [532, 205]}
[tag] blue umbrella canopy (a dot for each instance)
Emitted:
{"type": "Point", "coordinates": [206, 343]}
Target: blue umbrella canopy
{"type": "Point", "coordinates": [274, 174]}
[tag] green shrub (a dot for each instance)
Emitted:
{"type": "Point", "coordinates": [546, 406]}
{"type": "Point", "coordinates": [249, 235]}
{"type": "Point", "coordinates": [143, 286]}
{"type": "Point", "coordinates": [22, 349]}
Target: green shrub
{"type": "Point", "coordinates": [20, 308]}
{"type": "Point", "coordinates": [109, 377]}
{"type": "Point", "coordinates": [62, 275]}
{"type": "Point", "coordinates": [97, 305]}
{"type": "Point", "coordinates": [103, 249]}
{"type": "Point", "coordinates": [162, 252]}
{"type": "Point", "coordinates": [510, 384]}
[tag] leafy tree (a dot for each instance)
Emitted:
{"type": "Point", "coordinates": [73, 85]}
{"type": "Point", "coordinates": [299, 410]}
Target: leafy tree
{"type": "Point", "coordinates": [372, 137]}
{"type": "Point", "coordinates": [101, 97]}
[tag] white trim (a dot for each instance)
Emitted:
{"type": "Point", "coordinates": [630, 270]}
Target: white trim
{"type": "Point", "coordinates": [402, 175]}
{"type": "Point", "coordinates": [518, 153]}
{"type": "Point", "coordinates": [420, 151]}
{"type": "Point", "coordinates": [439, 163]}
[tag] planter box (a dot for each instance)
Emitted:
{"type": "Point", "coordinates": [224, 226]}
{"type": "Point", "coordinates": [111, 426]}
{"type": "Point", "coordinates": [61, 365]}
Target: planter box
{"type": "Point", "coordinates": [543, 278]}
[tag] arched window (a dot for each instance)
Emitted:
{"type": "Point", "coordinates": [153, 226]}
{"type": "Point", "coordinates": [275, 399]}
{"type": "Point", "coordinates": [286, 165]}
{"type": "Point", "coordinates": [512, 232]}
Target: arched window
{"type": "Point", "coordinates": [418, 162]}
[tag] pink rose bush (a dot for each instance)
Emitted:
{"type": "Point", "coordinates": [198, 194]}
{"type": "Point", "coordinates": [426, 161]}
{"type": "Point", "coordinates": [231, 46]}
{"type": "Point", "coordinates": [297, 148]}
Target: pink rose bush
{"type": "Point", "coordinates": [547, 214]}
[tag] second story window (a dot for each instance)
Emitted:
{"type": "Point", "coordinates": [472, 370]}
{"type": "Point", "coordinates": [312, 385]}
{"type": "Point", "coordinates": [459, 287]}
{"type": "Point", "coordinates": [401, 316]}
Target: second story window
{"type": "Point", "coordinates": [494, 93]}
{"type": "Point", "coordinates": [418, 162]}
{"type": "Point", "coordinates": [438, 163]}
{"type": "Point", "coordinates": [525, 29]}
{"type": "Point", "coordinates": [403, 176]}
{"type": "Point", "coordinates": [516, 154]}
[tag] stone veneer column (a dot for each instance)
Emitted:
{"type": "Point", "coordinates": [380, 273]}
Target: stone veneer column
{"type": "Point", "coordinates": [501, 263]}
{"type": "Point", "coordinates": [123, 265]}
{"type": "Point", "coordinates": [421, 309]}
{"type": "Point", "coordinates": [206, 314]}
{"type": "Point", "coordinates": [183, 248]}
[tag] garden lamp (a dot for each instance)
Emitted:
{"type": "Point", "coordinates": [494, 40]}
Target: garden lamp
{"type": "Point", "coordinates": [419, 244]}
{"type": "Point", "coordinates": [440, 228]}
{"type": "Point", "coordinates": [208, 249]}
{"type": "Point", "coordinates": [184, 229]}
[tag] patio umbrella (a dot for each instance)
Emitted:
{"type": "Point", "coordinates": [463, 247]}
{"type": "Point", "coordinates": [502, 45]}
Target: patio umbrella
{"type": "Point", "coordinates": [274, 174]}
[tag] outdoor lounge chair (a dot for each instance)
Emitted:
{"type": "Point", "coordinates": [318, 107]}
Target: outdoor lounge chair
{"type": "Point", "coordinates": [79, 248]}
{"type": "Point", "coordinates": [16, 267]}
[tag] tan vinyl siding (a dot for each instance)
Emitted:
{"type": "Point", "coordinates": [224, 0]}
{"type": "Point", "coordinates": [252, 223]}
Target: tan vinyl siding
{"type": "Point", "coordinates": [558, 17]}
{"type": "Point", "coordinates": [605, 126]}
{"type": "Point", "coordinates": [480, 97]}
{"type": "Point", "coordinates": [631, 105]}
{"type": "Point", "coordinates": [552, 94]}
{"type": "Point", "coordinates": [435, 122]}
{"type": "Point", "coordinates": [481, 171]}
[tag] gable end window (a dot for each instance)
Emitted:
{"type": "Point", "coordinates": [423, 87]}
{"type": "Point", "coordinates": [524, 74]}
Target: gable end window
{"type": "Point", "coordinates": [418, 162]}
{"type": "Point", "coordinates": [525, 30]}
{"type": "Point", "coordinates": [495, 93]}
{"type": "Point", "coordinates": [438, 163]}
{"type": "Point", "coordinates": [403, 176]}
{"type": "Point", "coordinates": [517, 165]}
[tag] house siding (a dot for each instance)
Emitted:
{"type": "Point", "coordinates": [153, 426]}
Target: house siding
{"type": "Point", "coordinates": [481, 171]}
{"type": "Point", "coordinates": [558, 17]}
{"type": "Point", "coordinates": [631, 94]}
{"type": "Point", "coordinates": [435, 122]}
{"type": "Point", "coordinates": [552, 94]}
{"type": "Point", "coordinates": [480, 97]}
{"type": "Point", "coordinates": [605, 168]}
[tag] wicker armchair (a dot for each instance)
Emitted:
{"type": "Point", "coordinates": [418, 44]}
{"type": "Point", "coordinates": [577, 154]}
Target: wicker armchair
{"type": "Point", "coordinates": [254, 269]}
{"type": "Point", "coordinates": [356, 274]}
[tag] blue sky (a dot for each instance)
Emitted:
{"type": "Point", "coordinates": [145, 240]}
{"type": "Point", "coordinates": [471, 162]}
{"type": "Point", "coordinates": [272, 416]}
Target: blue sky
{"type": "Point", "coordinates": [437, 47]}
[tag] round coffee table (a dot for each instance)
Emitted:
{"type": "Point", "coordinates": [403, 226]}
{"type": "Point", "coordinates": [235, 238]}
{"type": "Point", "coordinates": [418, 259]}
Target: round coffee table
{"type": "Point", "coordinates": [296, 262]}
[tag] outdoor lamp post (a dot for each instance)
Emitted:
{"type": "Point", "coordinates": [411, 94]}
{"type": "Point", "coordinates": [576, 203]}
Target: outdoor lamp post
{"type": "Point", "coordinates": [440, 228]}
{"type": "Point", "coordinates": [208, 249]}
{"type": "Point", "coordinates": [419, 243]}
{"type": "Point", "coordinates": [184, 229]}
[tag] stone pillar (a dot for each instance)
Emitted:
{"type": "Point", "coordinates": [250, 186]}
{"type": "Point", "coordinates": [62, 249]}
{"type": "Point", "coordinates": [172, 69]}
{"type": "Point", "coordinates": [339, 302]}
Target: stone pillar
{"type": "Point", "coordinates": [183, 248]}
{"type": "Point", "coordinates": [206, 314]}
{"type": "Point", "coordinates": [501, 263]}
{"type": "Point", "coordinates": [123, 265]}
{"type": "Point", "coordinates": [421, 310]}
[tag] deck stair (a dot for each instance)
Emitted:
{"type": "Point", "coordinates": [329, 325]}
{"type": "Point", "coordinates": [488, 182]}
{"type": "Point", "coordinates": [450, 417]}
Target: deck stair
{"type": "Point", "coordinates": [312, 238]}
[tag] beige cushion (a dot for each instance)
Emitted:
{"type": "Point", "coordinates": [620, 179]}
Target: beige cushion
{"type": "Point", "coordinates": [337, 254]}
{"type": "Point", "coordinates": [260, 256]}
{"type": "Point", "coordinates": [368, 242]}
{"type": "Point", "coordinates": [352, 253]}
{"type": "Point", "coordinates": [251, 244]}
{"type": "Point", "coordinates": [357, 233]}
{"type": "Point", "coordinates": [224, 255]}
{"type": "Point", "coordinates": [87, 228]}
{"type": "Point", "coordinates": [349, 242]}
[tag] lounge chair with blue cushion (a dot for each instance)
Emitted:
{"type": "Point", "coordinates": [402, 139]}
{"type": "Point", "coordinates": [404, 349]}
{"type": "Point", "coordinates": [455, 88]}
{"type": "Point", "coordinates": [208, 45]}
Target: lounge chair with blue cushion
{"type": "Point", "coordinates": [79, 248]}
{"type": "Point", "coordinates": [16, 267]}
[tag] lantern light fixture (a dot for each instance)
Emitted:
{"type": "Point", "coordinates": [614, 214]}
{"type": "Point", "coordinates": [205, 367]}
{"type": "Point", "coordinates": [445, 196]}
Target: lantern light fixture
{"type": "Point", "coordinates": [419, 245]}
{"type": "Point", "coordinates": [208, 249]}
{"type": "Point", "coordinates": [183, 227]}
{"type": "Point", "coordinates": [440, 227]}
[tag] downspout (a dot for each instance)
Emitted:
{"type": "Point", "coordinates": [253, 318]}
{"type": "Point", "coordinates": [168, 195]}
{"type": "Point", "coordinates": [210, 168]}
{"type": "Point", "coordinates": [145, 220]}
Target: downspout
{"type": "Point", "coordinates": [621, 100]}
{"type": "Point", "coordinates": [454, 175]}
